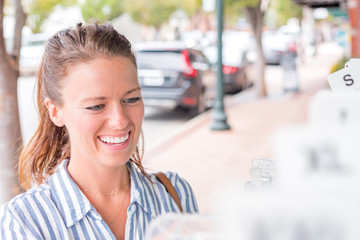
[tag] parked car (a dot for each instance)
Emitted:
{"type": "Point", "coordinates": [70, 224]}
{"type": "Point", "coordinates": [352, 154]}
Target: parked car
{"type": "Point", "coordinates": [276, 45]}
{"type": "Point", "coordinates": [238, 71]}
{"type": "Point", "coordinates": [172, 74]}
{"type": "Point", "coordinates": [32, 47]}
{"type": "Point", "coordinates": [243, 40]}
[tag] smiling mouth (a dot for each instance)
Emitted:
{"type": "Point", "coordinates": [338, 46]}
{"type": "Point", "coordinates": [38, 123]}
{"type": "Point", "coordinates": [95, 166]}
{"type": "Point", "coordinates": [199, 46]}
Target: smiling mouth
{"type": "Point", "coordinates": [114, 140]}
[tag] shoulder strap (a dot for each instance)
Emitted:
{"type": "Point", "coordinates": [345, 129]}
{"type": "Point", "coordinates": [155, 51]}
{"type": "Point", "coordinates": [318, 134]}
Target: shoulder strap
{"type": "Point", "coordinates": [161, 177]}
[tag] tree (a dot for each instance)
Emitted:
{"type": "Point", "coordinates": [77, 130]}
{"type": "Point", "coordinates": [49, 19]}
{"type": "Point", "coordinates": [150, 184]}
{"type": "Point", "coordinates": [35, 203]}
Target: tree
{"type": "Point", "coordinates": [106, 10]}
{"type": "Point", "coordinates": [190, 6]}
{"type": "Point", "coordinates": [102, 10]}
{"type": "Point", "coordinates": [254, 11]}
{"type": "Point", "coordinates": [39, 10]}
{"type": "Point", "coordinates": [285, 9]}
{"type": "Point", "coordinates": [198, 18]}
{"type": "Point", "coordinates": [10, 132]}
{"type": "Point", "coordinates": [151, 12]}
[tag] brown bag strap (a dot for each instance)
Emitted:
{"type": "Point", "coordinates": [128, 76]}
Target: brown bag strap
{"type": "Point", "coordinates": [161, 177]}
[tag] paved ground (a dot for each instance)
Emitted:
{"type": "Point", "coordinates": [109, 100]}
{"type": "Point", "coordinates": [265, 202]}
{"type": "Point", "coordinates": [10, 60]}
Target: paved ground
{"type": "Point", "coordinates": [213, 161]}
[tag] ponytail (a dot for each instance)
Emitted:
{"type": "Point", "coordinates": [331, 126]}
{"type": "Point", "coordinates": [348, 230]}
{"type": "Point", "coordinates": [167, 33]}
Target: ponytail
{"type": "Point", "coordinates": [46, 149]}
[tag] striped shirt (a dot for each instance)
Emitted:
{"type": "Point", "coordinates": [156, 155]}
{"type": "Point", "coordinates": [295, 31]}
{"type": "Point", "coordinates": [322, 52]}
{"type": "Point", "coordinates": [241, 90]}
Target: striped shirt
{"type": "Point", "coordinates": [57, 209]}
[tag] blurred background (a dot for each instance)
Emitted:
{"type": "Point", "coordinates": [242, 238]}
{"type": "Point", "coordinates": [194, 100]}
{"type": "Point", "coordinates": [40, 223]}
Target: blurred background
{"type": "Point", "coordinates": [276, 57]}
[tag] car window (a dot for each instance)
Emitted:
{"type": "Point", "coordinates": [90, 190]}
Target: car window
{"type": "Point", "coordinates": [196, 56]}
{"type": "Point", "coordinates": [167, 60]}
{"type": "Point", "coordinates": [199, 61]}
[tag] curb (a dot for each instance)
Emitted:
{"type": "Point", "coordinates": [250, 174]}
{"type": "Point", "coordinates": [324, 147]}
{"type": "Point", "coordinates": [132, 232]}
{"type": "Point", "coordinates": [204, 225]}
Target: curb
{"type": "Point", "coordinates": [176, 135]}
{"type": "Point", "coordinates": [185, 129]}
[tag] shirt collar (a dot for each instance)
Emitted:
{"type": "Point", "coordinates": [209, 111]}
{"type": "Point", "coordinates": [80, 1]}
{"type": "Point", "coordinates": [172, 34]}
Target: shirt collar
{"type": "Point", "coordinates": [71, 202]}
{"type": "Point", "coordinates": [142, 191]}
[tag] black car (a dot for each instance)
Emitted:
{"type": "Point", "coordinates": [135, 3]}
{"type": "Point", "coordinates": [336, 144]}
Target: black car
{"type": "Point", "coordinates": [237, 69]}
{"type": "Point", "coordinates": [172, 74]}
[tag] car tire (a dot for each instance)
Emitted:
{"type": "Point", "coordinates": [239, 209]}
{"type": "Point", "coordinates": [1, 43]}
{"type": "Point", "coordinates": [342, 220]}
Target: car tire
{"type": "Point", "coordinates": [201, 103]}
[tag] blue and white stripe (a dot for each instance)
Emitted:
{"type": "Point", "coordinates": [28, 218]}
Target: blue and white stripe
{"type": "Point", "coordinates": [58, 209]}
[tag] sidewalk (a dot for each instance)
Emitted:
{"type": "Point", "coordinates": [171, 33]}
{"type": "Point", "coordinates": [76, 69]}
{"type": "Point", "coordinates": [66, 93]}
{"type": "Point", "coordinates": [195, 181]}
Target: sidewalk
{"type": "Point", "coordinates": [212, 161]}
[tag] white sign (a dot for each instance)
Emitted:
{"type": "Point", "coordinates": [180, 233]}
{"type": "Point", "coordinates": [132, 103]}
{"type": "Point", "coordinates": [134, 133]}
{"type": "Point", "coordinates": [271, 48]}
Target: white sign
{"type": "Point", "coordinates": [346, 79]}
{"type": "Point", "coordinates": [335, 109]}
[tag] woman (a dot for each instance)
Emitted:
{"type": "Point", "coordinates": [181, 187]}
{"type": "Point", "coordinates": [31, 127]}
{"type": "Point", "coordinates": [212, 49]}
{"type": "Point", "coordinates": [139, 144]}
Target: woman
{"type": "Point", "coordinates": [83, 165]}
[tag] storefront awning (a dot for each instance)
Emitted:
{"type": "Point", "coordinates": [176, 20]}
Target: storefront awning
{"type": "Point", "coordinates": [321, 3]}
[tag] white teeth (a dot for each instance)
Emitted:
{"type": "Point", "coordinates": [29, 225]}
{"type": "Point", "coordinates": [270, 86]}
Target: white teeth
{"type": "Point", "coordinates": [115, 140]}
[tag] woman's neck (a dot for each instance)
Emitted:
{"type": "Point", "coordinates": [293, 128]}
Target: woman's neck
{"type": "Point", "coordinates": [108, 181]}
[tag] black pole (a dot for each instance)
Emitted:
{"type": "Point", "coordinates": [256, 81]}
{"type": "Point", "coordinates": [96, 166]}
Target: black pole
{"type": "Point", "coordinates": [218, 115]}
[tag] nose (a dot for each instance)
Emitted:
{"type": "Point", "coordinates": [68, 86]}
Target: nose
{"type": "Point", "coordinates": [118, 118]}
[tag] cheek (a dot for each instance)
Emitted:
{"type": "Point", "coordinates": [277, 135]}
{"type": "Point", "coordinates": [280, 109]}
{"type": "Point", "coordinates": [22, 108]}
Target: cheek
{"type": "Point", "coordinates": [140, 115]}
{"type": "Point", "coordinates": [137, 118]}
{"type": "Point", "coordinates": [80, 125]}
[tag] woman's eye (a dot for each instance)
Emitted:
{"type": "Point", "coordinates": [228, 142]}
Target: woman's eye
{"type": "Point", "coordinates": [96, 107]}
{"type": "Point", "coordinates": [132, 100]}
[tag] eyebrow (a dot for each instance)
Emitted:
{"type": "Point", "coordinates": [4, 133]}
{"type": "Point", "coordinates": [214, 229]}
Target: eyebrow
{"type": "Point", "coordinates": [103, 97]}
{"type": "Point", "coordinates": [132, 90]}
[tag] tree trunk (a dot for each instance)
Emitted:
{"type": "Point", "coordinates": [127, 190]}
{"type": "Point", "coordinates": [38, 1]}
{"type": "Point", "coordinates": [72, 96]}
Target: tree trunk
{"type": "Point", "coordinates": [200, 21]}
{"type": "Point", "coordinates": [10, 132]}
{"type": "Point", "coordinates": [255, 17]}
{"type": "Point", "coordinates": [20, 18]}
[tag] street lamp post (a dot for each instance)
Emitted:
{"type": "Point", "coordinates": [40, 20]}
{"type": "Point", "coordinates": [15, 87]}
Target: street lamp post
{"type": "Point", "coordinates": [218, 115]}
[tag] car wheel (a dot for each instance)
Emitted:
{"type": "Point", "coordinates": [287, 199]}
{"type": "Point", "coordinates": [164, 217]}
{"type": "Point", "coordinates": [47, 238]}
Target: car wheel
{"type": "Point", "coordinates": [201, 104]}
{"type": "Point", "coordinates": [245, 84]}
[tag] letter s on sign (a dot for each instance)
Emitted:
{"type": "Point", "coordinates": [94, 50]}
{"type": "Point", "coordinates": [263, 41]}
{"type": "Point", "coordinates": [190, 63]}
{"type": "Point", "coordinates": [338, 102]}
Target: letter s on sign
{"type": "Point", "coordinates": [349, 81]}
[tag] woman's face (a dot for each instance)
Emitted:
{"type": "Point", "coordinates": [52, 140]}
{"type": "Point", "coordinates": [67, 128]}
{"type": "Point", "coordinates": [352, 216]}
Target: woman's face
{"type": "Point", "coordinates": [102, 110]}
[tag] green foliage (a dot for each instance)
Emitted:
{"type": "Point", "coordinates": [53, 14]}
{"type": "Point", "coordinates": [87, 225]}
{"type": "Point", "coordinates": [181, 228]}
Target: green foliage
{"type": "Point", "coordinates": [102, 10]}
{"type": "Point", "coordinates": [239, 4]}
{"type": "Point", "coordinates": [39, 10]}
{"type": "Point", "coordinates": [190, 6]}
{"type": "Point", "coordinates": [233, 9]}
{"type": "Point", "coordinates": [151, 12]}
{"type": "Point", "coordinates": [7, 4]}
{"type": "Point", "coordinates": [279, 10]}
{"type": "Point", "coordinates": [283, 10]}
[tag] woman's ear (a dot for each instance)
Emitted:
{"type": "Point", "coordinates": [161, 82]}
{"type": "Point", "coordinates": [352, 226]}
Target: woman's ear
{"type": "Point", "coordinates": [55, 113]}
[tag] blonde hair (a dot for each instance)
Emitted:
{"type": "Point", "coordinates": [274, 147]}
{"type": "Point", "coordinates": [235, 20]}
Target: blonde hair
{"type": "Point", "coordinates": [51, 144]}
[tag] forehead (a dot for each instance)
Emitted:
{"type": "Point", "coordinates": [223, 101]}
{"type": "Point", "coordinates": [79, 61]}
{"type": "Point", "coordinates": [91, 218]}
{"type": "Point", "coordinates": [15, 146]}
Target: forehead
{"type": "Point", "coordinates": [103, 76]}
